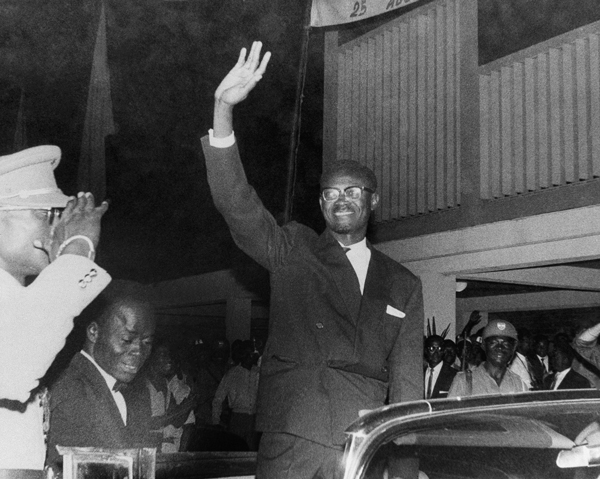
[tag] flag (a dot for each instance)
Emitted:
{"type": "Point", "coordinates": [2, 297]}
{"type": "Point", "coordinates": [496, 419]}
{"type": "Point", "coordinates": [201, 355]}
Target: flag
{"type": "Point", "coordinates": [98, 120]}
{"type": "Point", "coordinates": [334, 12]}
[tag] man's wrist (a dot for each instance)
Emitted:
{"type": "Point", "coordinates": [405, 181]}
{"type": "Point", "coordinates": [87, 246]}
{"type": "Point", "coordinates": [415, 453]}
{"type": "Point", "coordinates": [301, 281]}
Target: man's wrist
{"type": "Point", "coordinates": [223, 119]}
{"type": "Point", "coordinates": [79, 245]}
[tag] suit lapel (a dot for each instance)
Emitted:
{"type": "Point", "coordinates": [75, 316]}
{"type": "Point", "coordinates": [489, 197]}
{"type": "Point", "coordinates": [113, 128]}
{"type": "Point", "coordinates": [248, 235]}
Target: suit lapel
{"type": "Point", "coordinates": [342, 273]}
{"type": "Point", "coordinates": [377, 287]}
{"type": "Point", "coordinates": [111, 416]}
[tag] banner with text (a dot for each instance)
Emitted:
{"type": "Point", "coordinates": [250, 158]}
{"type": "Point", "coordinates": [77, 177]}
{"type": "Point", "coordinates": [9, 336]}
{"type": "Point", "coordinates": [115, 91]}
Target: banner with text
{"type": "Point", "coordinates": [333, 12]}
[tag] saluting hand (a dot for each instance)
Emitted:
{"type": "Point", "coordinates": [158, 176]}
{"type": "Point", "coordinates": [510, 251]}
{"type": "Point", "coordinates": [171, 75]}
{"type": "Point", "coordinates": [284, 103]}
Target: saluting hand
{"type": "Point", "coordinates": [243, 77]}
{"type": "Point", "coordinates": [80, 217]}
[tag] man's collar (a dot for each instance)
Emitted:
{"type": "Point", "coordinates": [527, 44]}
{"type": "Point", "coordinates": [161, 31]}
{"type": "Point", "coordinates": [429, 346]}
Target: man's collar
{"type": "Point", "coordinates": [361, 246]}
{"type": "Point", "coordinates": [110, 381]}
{"type": "Point", "coordinates": [438, 366]}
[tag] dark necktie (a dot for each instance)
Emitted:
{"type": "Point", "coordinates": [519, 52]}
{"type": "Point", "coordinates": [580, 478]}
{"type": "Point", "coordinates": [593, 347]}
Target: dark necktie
{"type": "Point", "coordinates": [430, 383]}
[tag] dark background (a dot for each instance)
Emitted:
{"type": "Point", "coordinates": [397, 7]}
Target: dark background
{"type": "Point", "coordinates": [165, 59]}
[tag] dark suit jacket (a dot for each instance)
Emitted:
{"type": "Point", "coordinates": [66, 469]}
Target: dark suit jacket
{"type": "Point", "coordinates": [331, 352]}
{"type": "Point", "coordinates": [443, 382]}
{"type": "Point", "coordinates": [83, 413]}
{"type": "Point", "coordinates": [572, 380]}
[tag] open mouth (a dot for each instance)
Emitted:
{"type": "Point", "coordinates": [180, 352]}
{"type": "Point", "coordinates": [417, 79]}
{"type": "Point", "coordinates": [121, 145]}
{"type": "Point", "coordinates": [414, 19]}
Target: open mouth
{"type": "Point", "coordinates": [343, 212]}
{"type": "Point", "coordinates": [130, 368]}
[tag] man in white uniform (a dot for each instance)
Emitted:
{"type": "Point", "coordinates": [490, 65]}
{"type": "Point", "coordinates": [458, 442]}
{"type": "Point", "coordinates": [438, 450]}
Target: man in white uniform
{"type": "Point", "coordinates": [46, 234]}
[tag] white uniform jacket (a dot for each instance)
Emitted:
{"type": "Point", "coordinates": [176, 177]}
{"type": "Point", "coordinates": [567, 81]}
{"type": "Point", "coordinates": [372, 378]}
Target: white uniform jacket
{"type": "Point", "coordinates": [34, 323]}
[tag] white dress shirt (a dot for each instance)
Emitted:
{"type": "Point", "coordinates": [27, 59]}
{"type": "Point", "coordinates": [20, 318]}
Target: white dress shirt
{"type": "Point", "coordinates": [359, 256]}
{"type": "Point", "coordinates": [110, 382]}
{"type": "Point", "coordinates": [558, 378]}
{"type": "Point", "coordinates": [519, 366]}
{"type": "Point", "coordinates": [544, 361]}
{"type": "Point", "coordinates": [436, 372]}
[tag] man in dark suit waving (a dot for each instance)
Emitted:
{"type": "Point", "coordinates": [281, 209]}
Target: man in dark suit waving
{"type": "Point", "coordinates": [346, 322]}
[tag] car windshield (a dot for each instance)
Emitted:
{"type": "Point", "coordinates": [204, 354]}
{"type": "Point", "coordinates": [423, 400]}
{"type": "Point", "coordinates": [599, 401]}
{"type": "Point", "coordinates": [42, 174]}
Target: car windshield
{"type": "Point", "coordinates": [513, 441]}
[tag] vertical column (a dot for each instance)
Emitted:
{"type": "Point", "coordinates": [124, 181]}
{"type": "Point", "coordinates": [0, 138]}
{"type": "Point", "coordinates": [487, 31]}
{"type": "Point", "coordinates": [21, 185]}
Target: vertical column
{"type": "Point", "coordinates": [238, 315]}
{"type": "Point", "coordinates": [439, 299]}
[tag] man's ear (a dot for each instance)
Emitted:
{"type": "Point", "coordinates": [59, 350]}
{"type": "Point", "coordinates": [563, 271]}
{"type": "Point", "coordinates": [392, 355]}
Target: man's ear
{"type": "Point", "coordinates": [374, 200]}
{"type": "Point", "coordinates": [92, 332]}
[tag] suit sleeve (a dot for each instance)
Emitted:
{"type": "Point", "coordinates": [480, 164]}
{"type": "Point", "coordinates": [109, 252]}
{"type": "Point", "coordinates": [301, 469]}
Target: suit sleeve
{"type": "Point", "coordinates": [252, 226]}
{"type": "Point", "coordinates": [588, 350]}
{"type": "Point", "coordinates": [36, 320]}
{"type": "Point", "coordinates": [406, 360]}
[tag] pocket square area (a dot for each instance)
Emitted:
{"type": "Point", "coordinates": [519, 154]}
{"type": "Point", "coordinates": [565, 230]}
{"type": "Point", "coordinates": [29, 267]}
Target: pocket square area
{"type": "Point", "coordinates": [394, 312]}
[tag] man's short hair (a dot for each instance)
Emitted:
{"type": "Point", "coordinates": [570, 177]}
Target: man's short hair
{"type": "Point", "coordinates": [102, 308]}
{"type": "Point", "coordinates": [350, 168]}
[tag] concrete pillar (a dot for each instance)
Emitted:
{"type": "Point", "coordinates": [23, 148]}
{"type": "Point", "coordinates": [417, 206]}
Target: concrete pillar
{"type": "Point", "coordinates": [439, 300]}
{"type": "Point", "coordinates": [238, 316]}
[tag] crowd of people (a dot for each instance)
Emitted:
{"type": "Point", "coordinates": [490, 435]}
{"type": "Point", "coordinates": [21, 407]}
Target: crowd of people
{"type": "Point", "coordinates": [502, 359]}
{"type": "Point", "coordinates": [345, 328]}
{"type": "Point", "coordinates": [128, 387]}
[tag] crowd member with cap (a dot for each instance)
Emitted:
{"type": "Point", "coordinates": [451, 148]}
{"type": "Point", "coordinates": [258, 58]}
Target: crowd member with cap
{"type": "Point", "coordinates": [492, 376]}
{"type": "Point", "coordinates": [346, 323]}
{"type": "Point", "coordinates": [46, 234]}
{"type": "Point", "coordinates": [438, 374]}
{"type": "Point", "coordinates": [87, 404]}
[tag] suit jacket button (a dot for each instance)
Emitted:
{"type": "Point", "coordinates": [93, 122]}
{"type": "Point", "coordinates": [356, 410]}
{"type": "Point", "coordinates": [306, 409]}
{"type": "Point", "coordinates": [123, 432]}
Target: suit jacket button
{"type": "Point", "coordinates": [384, 369]}
{"type": "Point", "coordinates": [319, 325]}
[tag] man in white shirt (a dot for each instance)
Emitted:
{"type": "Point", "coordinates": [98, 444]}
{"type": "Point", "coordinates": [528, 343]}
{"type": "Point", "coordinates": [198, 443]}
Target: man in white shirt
{"type": "Point", "coordinates": [46, 234]}
{"type": "Point", "coordinates": [171, 402]}
{"type": "Point", "coordinates": [520, 364]}
{"type": "Point", "coordinates": [240, 386]}
{"type": "Point", "coordinates": [87, 406]}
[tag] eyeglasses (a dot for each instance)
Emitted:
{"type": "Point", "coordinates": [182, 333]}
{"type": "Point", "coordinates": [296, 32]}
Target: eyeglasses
{"type": "Point", "coordinates": [351, 193]}
{"type": "Point", "coordinates": [54, 214]}
{"type": "Point", "coordinates": [433, 349]}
